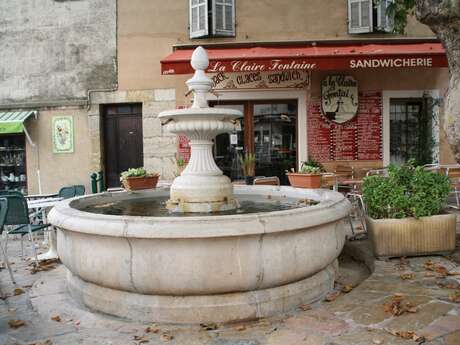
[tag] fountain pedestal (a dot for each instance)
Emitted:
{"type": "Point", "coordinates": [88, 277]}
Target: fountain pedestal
{"type": "Point", "coordinates": [202, 187]}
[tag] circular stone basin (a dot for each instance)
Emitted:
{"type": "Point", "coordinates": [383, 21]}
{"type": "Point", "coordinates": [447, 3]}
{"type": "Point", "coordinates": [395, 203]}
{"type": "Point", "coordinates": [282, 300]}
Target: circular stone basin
{"type": "Point", "coordinates": [198, 268]}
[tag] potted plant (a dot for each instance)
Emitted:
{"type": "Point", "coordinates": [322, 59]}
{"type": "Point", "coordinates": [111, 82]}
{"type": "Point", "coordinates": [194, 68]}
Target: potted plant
{"type": "Point", "coordinates": [248, 163]}
{"type": "Point", "coordinates": [138, 178]}
{"type": "Point", "coordinates": [404, 212]}
{"type": "Point", "coordinates": [309, 176]}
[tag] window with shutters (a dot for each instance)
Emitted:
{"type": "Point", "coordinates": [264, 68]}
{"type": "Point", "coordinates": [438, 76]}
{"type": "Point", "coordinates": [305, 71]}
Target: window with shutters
{"type": "Point", "coordinates": [212, 18]}
{"type": "Point", "coordinates": [369, 16]}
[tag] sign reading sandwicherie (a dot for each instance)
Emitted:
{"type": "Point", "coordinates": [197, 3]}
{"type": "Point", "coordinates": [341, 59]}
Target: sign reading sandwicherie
{"type": "Point", "coordinates": [261, 80]}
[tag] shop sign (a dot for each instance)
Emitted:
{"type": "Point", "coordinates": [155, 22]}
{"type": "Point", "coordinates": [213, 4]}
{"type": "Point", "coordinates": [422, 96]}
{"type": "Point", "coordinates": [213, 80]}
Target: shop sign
{"type": "Point", "coordinates": [339, 98]}
{"type": "Point", "coordinates": [62, 127]}
{"type": "Point", "coordinates": [261, 80]}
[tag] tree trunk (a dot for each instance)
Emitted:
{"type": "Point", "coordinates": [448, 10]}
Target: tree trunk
{"type": "Point", "coordinates": [443, 18]}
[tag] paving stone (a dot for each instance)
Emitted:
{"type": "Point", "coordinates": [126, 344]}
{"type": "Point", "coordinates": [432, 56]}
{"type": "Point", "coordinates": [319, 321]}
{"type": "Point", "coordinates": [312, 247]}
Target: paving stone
{"type": "Point", "coordinates": [320, 321]}
{"type": "Point", "coordinates": [440, 327]}
{"type": "Point", "coordinates": [363, 336]}
{"type": "Point", "coordinates": [285, 337]}
{"type": "Point", "coordinates": [452, 338]}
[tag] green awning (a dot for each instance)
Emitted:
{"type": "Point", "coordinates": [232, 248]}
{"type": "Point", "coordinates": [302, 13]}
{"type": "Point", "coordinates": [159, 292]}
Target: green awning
{"type": "Point", "coordinates": [13, 121]}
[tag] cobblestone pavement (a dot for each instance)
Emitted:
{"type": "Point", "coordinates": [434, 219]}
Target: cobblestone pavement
{"type": "Point", "coordinates": [415, 298]}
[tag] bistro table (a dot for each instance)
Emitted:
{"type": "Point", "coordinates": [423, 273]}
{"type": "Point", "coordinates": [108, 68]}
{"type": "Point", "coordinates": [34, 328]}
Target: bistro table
{"type": "Point", "coordinates": [43, 205]}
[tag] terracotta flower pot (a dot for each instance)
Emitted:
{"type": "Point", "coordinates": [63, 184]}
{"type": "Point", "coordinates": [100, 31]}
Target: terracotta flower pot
{"type": "Point", "coordinates": [143, 182]}
{"type": "Point", "coordinates": [304, 180]}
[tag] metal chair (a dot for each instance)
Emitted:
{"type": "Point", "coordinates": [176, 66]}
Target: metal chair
{"type": "Point", "coordinates": [67, 192]}
{"type": "Point", "coordinates": [453, 173]}
{"type": "Point", "coordinates": [18, 214]}
{"type": "Point", "coordinates": [79, 190]}
{"type": "Point", "coordinates": [3, 212]}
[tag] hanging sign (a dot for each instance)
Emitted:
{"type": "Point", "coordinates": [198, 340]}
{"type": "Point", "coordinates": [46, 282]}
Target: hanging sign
{"type": "Point", "coordinates": [339, 98]}
{"type": "Point", "coordinates": [62, 128]}
{"type": "Point", "coordinates": [261, 80]}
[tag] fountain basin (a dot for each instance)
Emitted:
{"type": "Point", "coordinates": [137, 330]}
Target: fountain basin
{"type": "Point", "coordinates": [201, 268]}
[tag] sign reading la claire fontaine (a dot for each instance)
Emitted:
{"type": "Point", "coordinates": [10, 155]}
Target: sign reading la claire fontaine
{"type": "Point", "coordinates": [261, 80]}
{"type": "Point", "coordinates": [339, 98]}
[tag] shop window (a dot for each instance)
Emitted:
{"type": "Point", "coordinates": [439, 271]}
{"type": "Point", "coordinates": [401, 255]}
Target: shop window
{"type": "Point", "coordinates": [369, 16]}
{"type": "Point", "coordinates": [212, 18]}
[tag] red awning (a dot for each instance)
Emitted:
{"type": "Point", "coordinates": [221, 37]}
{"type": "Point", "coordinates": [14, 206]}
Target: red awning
{"type": "Point", "coordinates": [311, 57]}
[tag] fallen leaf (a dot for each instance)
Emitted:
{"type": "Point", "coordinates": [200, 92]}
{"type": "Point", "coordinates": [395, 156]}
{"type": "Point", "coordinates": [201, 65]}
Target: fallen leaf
{"type": "Point", "coordinates": [330, 297]}
{"type": "Point", "coordinates": [347, 288]}
{"type": "Point", "coordinates": [166, 337]}
{"type": "Point", "coordinates": [441, 270]}
{"type": "Point", "coordinates": [152, 329]}
{"type": "Point", "coordinates": [18, 291]}
{"type": "Point", "coordinates": [455, 297]}
{"type": "Point", "coordinates": [429, 265]}
{"type": "Point", "coordinates": [141, 339]}
{"type": "Point", "coordinates": [240, 328]}
{"type": "Point", "coordinates": [396, 306]}
{"type": "Point", "coordinates": [305, 307]}
{"type": "Point", "coordinates": [56, 318]}
{"type": "Point", "coordinates": [407, 276]}
{"type": "Point", "coordinates": [16, 323]}
{"type": "Point", "coordinates": [209, 326]}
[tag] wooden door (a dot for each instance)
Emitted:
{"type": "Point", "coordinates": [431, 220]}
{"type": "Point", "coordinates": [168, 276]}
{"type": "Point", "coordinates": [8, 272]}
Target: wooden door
{"type": "Point", "coordinates": [123, 140]}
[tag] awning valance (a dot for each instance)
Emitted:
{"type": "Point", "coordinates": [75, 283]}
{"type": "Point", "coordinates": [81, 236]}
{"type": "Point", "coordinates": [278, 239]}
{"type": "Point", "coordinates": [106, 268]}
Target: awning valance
{"type": "Point", "coordinates": [311, 57]}
{"type": "Point", "coordinates": [13, 121]}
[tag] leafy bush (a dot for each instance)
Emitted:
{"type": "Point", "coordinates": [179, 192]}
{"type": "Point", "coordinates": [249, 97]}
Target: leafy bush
{"type": "Point", "coordinates": [408, 191]}
{"type": "Point", "coordinates": [309, 169]}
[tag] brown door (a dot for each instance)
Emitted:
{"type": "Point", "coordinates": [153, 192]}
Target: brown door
{"type": "Point", "coordinates": [123, 144]}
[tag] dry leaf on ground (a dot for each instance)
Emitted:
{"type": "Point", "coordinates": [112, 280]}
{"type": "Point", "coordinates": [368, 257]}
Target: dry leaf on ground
{"type": "Point", "coordinates": [347, 288]}
{"type": "Point", "coordinates": [18, 291]}
{"type": "Point", "coordinates": [56, 318]}
{"type": "Point", "coordinates": [407, 276]}
{"type": "Point", "coordinates": [141, 339]}
{"type": "Point", "coordinates": [209, 326]}
{"type": "Point", "coordinates": [240, 328]}
{"type": "Point", "coordinates": [305, 307]}
{"type": "Point", "coordinates": [166, 337]}
{"type": "Point", "coordinates": [330, 297]}
{"type": "Point", "coordinates": [16, 323]}
{"type": "Point", "coordinates": [152, 329]}
{"type": "Point", "coordinates": [455, 297]}
{"type": "Point", "coordinates": [409, 335]}
{"type": "Point", "coordinates": [396, 306]}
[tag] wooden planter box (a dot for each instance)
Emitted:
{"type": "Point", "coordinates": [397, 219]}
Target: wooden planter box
{"type": "Point", "coordinates": [138, 183]}
{"type": "Point", "coordinates": [304, 180]}
{"type": "Point", "coordinates": [410, 236]}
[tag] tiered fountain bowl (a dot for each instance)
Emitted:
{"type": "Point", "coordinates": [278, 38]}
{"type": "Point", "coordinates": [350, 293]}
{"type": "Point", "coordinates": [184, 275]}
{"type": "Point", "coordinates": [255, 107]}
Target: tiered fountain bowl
{"type": "Point", "coordinates": [203, 250]}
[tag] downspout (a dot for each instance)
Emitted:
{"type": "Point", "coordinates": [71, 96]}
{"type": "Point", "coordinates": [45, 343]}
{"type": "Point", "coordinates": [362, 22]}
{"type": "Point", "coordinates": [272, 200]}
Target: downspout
{"type": "Point", "coordinates": [29, 139]}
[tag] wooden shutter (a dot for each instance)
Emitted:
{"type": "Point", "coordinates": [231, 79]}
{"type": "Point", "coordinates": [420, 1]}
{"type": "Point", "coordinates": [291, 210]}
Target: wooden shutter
{"type": "Point", "coordinates": [359, 16]}
{"type": "Point", "coordinates": [223, 17]}
{"type": "Point", "coordinates": [198, 18]}
{"type": "Point", "coordinates": [385, 22]}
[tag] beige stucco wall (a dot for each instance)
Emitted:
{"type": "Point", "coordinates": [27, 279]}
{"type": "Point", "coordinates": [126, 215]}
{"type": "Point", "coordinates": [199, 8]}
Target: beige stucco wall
{"type": "Point", "coordinates": [58, 169]}
{"type": "Point", "coordinates": [147, 30]}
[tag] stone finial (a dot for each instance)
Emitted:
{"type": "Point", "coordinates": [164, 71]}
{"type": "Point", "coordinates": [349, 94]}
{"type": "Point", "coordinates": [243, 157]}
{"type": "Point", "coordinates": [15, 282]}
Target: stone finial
{"type": "Point", "coordinates": [200, 84]}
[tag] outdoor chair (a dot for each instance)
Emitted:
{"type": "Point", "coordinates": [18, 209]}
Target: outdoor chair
{"type": "Point", "coordinates": [79, 190]}
{"type": "Point", "coordinates": [271, 181]}
{"type": "Point", "coordinates": [3, 212]}
{"type": "Point", "coordinates": [18, 215]}
{"type": "Point", "coordinates": [453, 173]}
{"type": "Point", "coordinates": [67, 192]}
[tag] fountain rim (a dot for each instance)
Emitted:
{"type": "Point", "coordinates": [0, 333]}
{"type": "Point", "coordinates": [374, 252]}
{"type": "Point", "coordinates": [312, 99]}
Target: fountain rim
{"type": "Point", "coordinates": [217, 113]}
{"type": "Point", "coordinates": [63, 215]}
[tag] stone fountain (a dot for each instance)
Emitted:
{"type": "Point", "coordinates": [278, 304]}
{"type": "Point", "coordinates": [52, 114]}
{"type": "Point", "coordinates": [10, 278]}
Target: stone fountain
{"type": "Point", "coordinates": [190, 254]}
{"type": "Point", "coordinates": [201, 124]}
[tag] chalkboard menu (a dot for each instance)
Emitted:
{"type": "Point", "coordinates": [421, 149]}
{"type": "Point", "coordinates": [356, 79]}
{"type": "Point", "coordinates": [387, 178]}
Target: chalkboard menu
{"type": "Point", "coordinates": [357, 139]}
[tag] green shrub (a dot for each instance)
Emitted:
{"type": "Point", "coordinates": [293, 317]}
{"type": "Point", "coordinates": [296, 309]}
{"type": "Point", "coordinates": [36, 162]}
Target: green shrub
{"type": "Point", "coordinates": [135, 172]}
{"type": "Point", "coordinates": [408, 191]}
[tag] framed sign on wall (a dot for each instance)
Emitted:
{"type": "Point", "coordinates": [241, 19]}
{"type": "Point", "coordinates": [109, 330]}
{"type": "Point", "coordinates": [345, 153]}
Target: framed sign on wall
{"type": "Point", "coordinates": [339, 98]}
{"type": "Point", "coordinates": [62, 131]}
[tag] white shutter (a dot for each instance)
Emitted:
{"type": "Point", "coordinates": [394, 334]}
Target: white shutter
{"type": "Point", "coordinates": [359, 16]}
{"type": "Point", "coordinates": [223, 17]}
{"type": "Point", "coordinates": [198, 18]}
{"type": "Point", "coordinates": [385, 22]}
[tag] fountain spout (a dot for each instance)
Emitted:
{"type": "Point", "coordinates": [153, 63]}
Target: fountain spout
{"type": "Point", "coordinates": [201, 187]}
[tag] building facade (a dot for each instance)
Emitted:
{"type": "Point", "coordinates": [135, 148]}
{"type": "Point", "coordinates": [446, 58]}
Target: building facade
{"type": "Point", "coordinates": [325, 80]}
